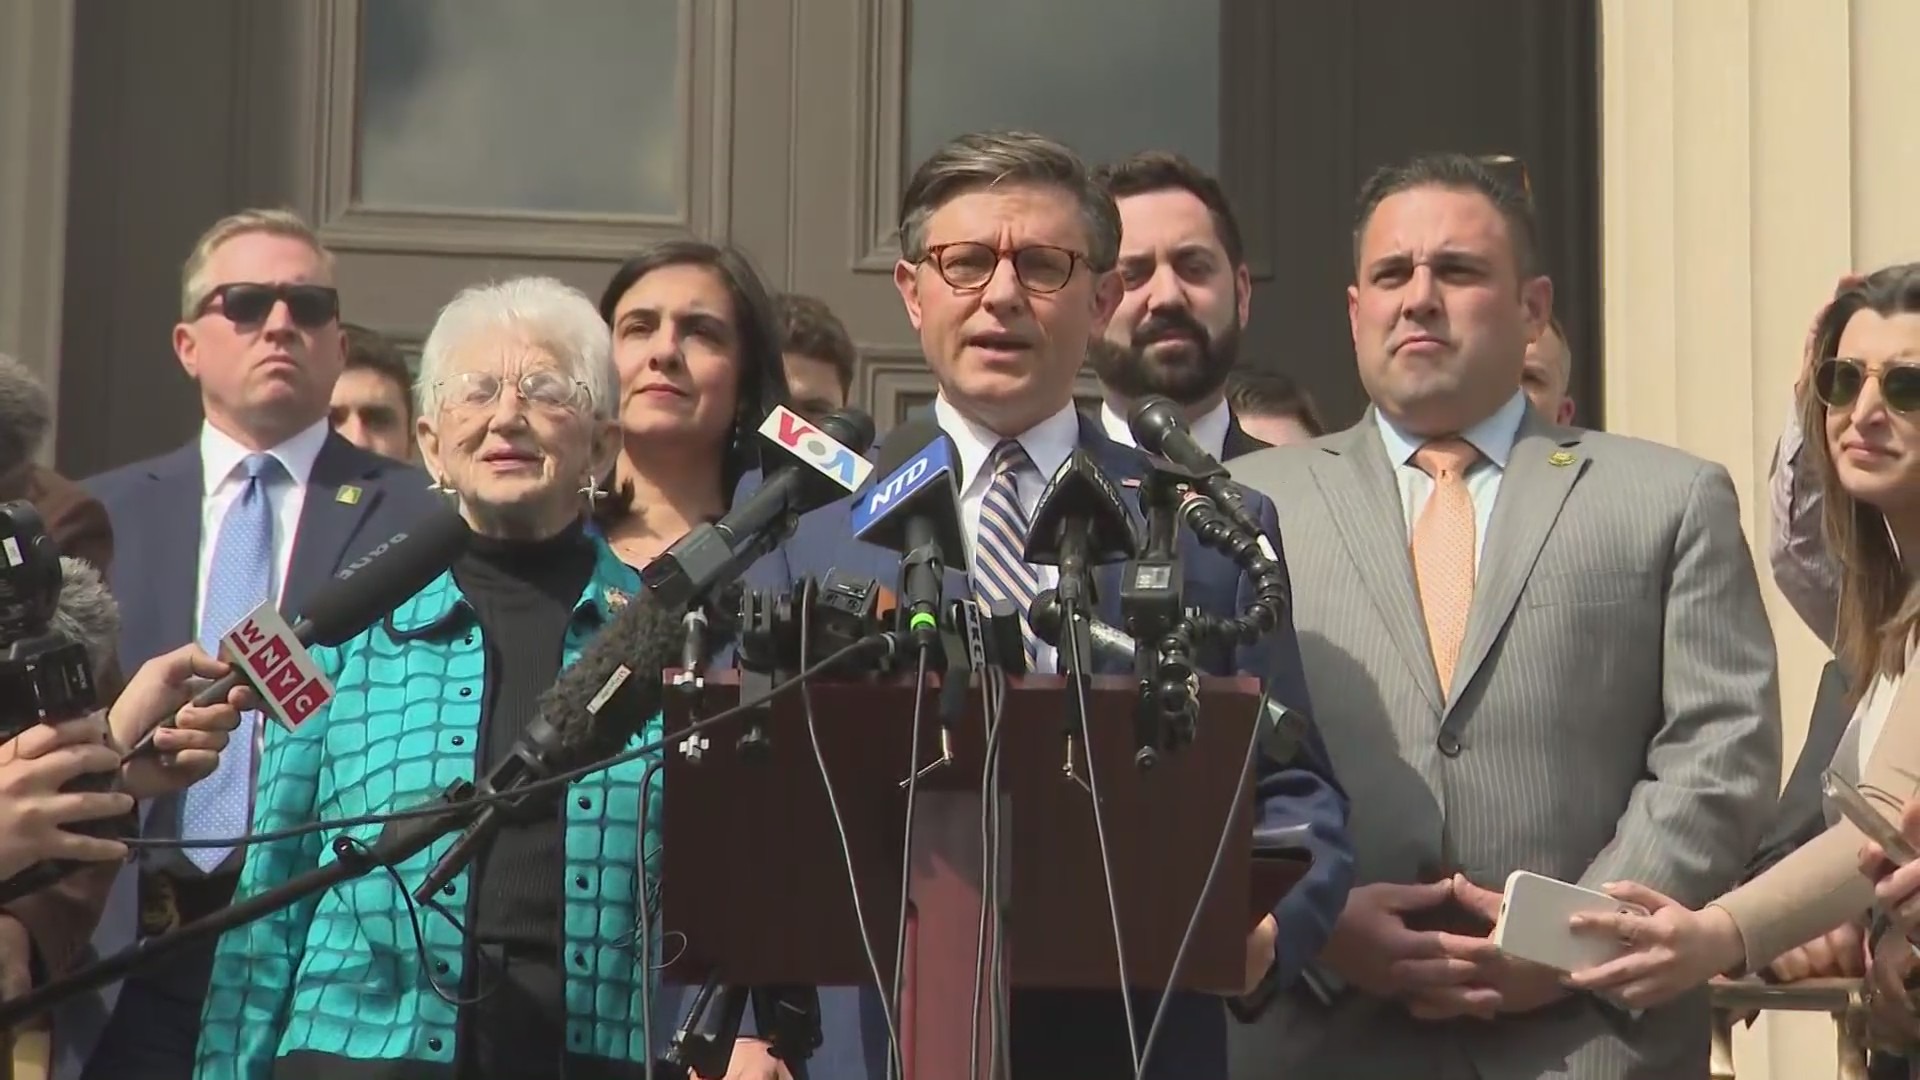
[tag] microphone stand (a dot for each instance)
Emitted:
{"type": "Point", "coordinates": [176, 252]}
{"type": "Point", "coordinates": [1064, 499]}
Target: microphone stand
{"type": "Point", "coordinates": [758, 657]}
{"type": "Point", "coordinates": [788, 1018]}
{"type": "Point", "coordinates": [1151, 606]}
{"type": "Point", "coordinates": [398, 842]}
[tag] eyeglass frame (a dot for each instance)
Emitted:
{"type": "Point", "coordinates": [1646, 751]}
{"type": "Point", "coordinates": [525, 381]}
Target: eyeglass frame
{"type": "Point", "coordinates": [1010, 256]}
{"type": "Point", "coordinates": [1867, 371]}
{"type": "Point", "coordinates": [582, 393]}
{"type": "Point", "coordinates": [280, 292]}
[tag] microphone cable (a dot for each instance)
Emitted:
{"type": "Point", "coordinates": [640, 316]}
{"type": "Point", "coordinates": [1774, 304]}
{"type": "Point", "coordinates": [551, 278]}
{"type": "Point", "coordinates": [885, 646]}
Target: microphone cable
{"type": "Point", "coordinates": [898, 1061]}
{"type": "Point", "coordinates": [1206, 887]}
{"type": "Point", "coordinates": [839, 823]}
{"type": "Point", "coordinates": [988, 973]}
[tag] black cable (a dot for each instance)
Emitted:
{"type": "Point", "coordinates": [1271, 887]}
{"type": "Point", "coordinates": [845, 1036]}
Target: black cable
{"type": "Point", "coordinates": [1206, 887]}
{"type": "Point", "coordinates": [906, 844]}
{"type": "Point", "coordinates": [885, 641]}
{"type": "Point", "coordinates": [420, 939]}
{"type": "Point", "coordinates": [644, 923]}
{"type": "Point", "coordinates": [1106, 863]}
{"type": "Point", "coordinates": [840, 826]}
{"type": "Point", "coordinates": [989, 718]}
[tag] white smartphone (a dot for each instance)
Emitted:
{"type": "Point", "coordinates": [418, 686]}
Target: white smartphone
{"type": "Point", "coordinates": [1867, 818]}
{"type": "Point", "coordinates": [1533, 923]}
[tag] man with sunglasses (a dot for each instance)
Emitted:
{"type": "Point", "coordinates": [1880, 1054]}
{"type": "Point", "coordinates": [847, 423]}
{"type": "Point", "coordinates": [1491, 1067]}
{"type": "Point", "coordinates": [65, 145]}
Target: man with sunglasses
{"type": "Point", "coordinates": [265, 504]}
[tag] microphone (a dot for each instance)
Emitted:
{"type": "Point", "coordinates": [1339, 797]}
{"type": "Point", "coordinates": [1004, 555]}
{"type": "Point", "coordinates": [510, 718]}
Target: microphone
{"type": "Point", "coordinates": [820, 464]}
{"type": "Point", "coordinates": [1110, 644]}
{"type": "Point", "coordinates": [589, 714]}
{"type": "Point", "coordinates": [1080, 522]}
{"type": "Point", "coordinates": [915, 510]}
{"type": "Point", "coordinates": [1160, 430]}
{"type": "Point", "coordinates": [361, 592]}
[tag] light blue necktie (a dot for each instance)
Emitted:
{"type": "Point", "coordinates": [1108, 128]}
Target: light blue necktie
{"type": "Point", "coordinates": [1000, 569]}
{"type": "Point", "coordinates": [240, 578]}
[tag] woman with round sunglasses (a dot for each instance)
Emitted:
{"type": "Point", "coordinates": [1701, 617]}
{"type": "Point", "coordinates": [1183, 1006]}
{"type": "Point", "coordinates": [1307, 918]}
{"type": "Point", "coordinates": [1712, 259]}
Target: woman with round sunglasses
{"type": "Point", "coordinates": [1865, 406]}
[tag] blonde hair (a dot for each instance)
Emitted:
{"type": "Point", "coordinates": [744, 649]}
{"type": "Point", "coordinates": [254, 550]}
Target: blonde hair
{"type": "Point", "coordinates": [193, 275]}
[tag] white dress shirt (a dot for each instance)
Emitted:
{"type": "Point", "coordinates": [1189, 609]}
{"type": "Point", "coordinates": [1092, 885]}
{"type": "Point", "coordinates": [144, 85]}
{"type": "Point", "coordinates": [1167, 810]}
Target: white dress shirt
{"type": "Point", "coordinates": [1210, 431]}
{"type": "Point", "coordinates": [1493, 437]}
{"type": "Point", "coordinates": [222, 460]}
{"type": "Point", "coordinates": [1048, 443]}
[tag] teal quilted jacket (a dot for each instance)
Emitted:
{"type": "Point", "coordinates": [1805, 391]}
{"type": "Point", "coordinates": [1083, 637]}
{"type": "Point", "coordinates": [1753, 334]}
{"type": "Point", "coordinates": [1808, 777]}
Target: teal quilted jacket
{"type": "Point", "coordinates": [339, 975]}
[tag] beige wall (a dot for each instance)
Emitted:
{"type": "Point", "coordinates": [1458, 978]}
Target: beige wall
{"type": "Point", "coordinates": [36, 50]}
{"type": "Point", "coordinates": [1754, 150]}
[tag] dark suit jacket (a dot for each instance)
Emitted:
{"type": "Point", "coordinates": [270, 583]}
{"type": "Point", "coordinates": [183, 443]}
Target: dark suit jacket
{"type": "Point", "coordinates": [1084, 1034]}
{"type": "Point", "coordinates": [1238, 441]}
{"type": "Point", "coordinates": [1801, 814]}
{"type": "Point", "coordinates": [354, 500]}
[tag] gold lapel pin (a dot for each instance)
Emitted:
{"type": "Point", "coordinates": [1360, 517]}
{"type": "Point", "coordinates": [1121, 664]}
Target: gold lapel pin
{"type": "Point", "coordinates": [1560, 458]}
{"type": "Point", "coordinates": [616, 600]}
{"type": "Point", "coordinates": [348, 495]}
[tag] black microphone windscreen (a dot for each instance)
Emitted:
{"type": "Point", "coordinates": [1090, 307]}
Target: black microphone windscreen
{"type": "Point", "coordinates": [593, 721]}
{"type": "Point", "coordinates": [87, 613]}
{"type": "Point", "coordinates": [1151, 421]}
{"type": "Point", "coordinates": [385, 577]}
{"type": "Point", "coordinates": [851, 428]}
{"type": "Point", "coordinates": [907, 439]}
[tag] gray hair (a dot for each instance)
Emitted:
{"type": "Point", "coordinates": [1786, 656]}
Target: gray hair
{"type": "Point", "coordinates": [988, 158]}
{"type": "Point", "coordinates": [542, 311]}
{"type": "Point", "coordinates": [25, 413]}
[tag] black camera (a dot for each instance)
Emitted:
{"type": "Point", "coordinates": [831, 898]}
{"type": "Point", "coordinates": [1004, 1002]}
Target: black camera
{"type": "Point", "coordinates": [44, 676]}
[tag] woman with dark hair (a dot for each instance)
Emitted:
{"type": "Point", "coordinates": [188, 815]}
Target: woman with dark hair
{"type": "Point", "coordinates": [698, 350]}
{"type": "Point", "coordinates": [1862, 420]}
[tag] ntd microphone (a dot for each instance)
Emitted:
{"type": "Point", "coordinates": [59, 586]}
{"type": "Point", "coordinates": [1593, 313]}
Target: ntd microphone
{"type": "Point", "coordinates": [277, 664]}
{"type": "Point", "coordinates": [807, 444]}
{"type": "Point", "coordinates": [806, 465]}
{"type": "Point", "coordinates": [915, 510]}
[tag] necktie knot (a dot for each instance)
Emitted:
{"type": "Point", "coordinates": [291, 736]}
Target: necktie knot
{"type": "Point", "coordinates": [1446, 459]}
{"type": "Point", "coordinates": [1008, 457]}
{"type": "Point", "coordinates": [263, 467]}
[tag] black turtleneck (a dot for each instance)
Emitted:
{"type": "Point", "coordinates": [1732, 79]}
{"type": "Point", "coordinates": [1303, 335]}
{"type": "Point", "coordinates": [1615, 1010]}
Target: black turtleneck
{"type": "Point", "coordinates": [523, 593]}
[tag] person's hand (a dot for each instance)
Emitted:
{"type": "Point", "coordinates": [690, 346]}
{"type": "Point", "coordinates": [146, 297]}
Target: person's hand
{"type": "Point", "coordinates": [1896, 888]}
{"type": "Point", "coordinates": [1807, 359]}
{"type": "Point", "coordinates": [190, 751]}
{"type": "Point", "coordinates": [752, 1060]}
{"type": "Point", "coordinates": [1889, 1010]}
{"type": "Point", "coordinates": [1371, 936]}
{"type": "Point", "coordinates": [1260, 955]}
{"type": "Point", "coordinates": [1489, 981]}
{"type": "Point", "coordinates": [1839, 953]}
{"type": "Point", "coordinates": [1672, 950]}
{"type": "Point", "coordinates": [34, 765]}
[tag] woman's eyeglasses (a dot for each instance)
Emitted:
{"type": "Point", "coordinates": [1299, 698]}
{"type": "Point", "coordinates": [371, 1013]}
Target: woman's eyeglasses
{"type": "Point", "coordinates": [968, 265]}
{"type": "Point", "coordinates": [1838, 382]}
{"type": "Point", "coordinates": [548, 390]}
{"type": "Point", "coordinates": [247, 303]}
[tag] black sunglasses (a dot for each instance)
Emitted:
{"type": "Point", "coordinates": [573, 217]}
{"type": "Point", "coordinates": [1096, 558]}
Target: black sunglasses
{"type": "Point", "coordinates": [246, 303]}
{"type": "Point", "coordinates": [1838, 383]}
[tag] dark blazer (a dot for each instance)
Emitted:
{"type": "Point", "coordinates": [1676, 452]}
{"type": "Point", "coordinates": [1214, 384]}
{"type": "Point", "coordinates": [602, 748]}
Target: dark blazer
{"type": "Point", "coordinates": [1801, 814]}
{"type": "Point", "coordinates": [1238, 441]}
{"type": "Point", "coordinates": [354, 500]}
{"type": "Point", "coordinates": [1061, 1033]}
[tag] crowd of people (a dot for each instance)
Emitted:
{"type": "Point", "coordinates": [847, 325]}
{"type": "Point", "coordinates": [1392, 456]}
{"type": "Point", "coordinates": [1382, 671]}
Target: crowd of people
{"type": "Point", "coordinates": [1521, 645]}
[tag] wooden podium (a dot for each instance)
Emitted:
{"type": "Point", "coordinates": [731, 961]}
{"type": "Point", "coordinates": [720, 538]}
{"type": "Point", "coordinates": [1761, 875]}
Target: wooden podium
{"type": "Point", "coordinates": [756, 887]}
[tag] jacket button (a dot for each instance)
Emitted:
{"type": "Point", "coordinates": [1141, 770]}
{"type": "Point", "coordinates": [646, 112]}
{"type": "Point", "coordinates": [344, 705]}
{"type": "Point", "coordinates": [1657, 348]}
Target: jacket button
{"type": "Point", "coordinates": [447, 888]}
{"type": "Point", "coordinates": [580, 881]}
{"type": "Point", "coordinates": [458, 740]}
{"type": "Point", "coordinates": [442, 967]}
{"type": "Point", "coordinates": [580, 959]}
{"type": "Point", "coordinates": [586, 803]}
{"type": "Point", "coordinates": [1449, 744]}
{"type": "Point", "coordinates": [466, 691]}
{"type": "Point", "coordinates": [434, 1045]}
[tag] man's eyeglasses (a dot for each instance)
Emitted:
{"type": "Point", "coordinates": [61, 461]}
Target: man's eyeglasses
{"type": "Point", "coordinates": [968, 265]}
{"type": "Point", "coordinates": [246, 303]}
{"type": "Point", "coordinates": [548, 390]}
{"type": "Point", "coordinates": [1838, 382]}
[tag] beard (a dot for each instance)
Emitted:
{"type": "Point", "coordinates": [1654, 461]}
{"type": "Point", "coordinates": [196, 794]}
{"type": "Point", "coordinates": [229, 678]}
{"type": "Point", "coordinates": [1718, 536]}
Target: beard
{"type": "Point", "coordinates": [1172, 355]}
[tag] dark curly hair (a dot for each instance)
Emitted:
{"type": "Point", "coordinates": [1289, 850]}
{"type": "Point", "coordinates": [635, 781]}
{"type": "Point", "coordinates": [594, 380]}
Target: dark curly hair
{"type": "Point", "coordinates": [763, 379]}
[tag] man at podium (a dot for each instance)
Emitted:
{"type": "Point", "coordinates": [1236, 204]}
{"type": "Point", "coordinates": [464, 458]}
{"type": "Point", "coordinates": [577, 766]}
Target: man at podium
{"type": "Point", "coordinates": [1007, 272]}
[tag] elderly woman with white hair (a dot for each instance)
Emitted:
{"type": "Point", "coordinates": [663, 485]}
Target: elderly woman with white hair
{"type": "Point", "coordinates": [525, 965]}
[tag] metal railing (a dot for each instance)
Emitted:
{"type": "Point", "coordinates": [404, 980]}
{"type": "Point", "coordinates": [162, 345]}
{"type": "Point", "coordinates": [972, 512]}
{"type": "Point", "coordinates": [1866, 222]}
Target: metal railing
{"type": "Point", "coordinates": [1843, 999]}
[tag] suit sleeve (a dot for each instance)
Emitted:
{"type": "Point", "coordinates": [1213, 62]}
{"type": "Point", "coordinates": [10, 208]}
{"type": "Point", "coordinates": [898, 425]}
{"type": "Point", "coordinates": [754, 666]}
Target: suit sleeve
{"type": "Point", "coordinates": [1796, 546]}
{"type": "Point", "coordinates": [1297, 793]}
{"type": "Point", "coordinates": [252, 987]}
{"type": "Point", "coordinates": [1714, 763]}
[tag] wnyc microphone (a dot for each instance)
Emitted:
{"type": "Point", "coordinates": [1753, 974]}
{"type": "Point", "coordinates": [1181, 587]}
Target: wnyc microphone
{"type": "Point", "coordinates": [590, 713]}
{"type": "Point", "coordinates": [272, 656]}
{"type": "Point", "coordinates": [819, 464]}
{"type": "Point", "coordinates": [914, 509]}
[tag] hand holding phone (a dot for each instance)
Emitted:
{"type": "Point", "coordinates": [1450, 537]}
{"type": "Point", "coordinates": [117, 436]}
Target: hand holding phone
{"type": "Point", "coordinates": [1535, 914]}
{"type": "Point", "coordinates": [1868, 818]}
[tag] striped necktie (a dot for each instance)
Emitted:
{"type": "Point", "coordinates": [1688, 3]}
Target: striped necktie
{"type": "Point", "coordinates": [1000, 570]}
{"type": "Point", "coordinates": [240, 579]}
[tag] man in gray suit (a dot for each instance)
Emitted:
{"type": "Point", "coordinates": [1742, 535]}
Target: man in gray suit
{"type": "Point", "coordinates": [1529, 647]}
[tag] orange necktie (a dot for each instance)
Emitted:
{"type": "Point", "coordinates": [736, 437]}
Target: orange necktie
{"type": "Point", "coordinates": [1443, 550]}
